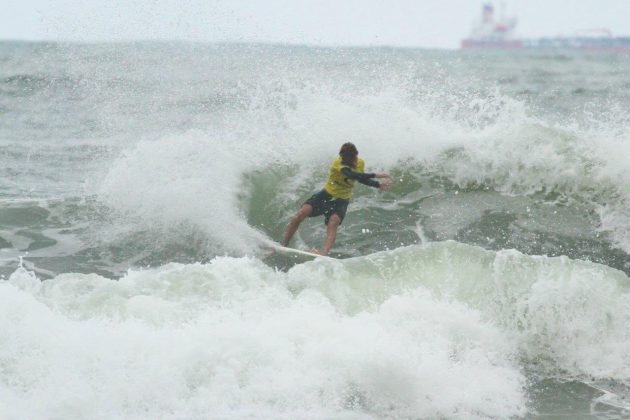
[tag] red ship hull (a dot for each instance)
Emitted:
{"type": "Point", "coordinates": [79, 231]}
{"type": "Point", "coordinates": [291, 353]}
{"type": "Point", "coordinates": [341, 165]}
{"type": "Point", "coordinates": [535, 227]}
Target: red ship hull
{"type": "Point", "coordinates": [487, 44]}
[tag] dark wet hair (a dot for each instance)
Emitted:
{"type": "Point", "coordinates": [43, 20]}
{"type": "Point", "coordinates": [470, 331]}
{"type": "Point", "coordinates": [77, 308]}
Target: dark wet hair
{"type": "Point", "coordinates": [348, 153]}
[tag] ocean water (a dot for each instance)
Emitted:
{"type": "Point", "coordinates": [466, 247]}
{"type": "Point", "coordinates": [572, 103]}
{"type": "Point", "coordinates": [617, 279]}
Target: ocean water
{"type": "Point", "coordinates": [140, 180]}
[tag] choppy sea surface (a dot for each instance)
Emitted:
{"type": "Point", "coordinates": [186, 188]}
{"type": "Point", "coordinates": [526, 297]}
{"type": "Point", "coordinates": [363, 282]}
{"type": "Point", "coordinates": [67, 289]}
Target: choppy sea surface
{"type": "Point", "coordinates": [138, 182]}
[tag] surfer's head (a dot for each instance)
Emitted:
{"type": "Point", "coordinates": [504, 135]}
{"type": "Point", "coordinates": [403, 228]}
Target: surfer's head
{"type": "Point", "coordinates": [349, 154]}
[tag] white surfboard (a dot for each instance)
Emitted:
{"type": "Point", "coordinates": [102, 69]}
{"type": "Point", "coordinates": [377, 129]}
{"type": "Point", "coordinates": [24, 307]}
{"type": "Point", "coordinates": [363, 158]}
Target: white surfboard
{"type": "Point", "coordinates": [296, 253]}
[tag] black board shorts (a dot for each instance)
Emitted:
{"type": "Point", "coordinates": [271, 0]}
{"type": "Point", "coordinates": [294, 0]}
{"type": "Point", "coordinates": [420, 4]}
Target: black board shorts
{"type": "Point", "coordinates": [324, 203]}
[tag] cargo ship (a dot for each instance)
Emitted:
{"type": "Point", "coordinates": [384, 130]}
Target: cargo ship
{"type": "Point", "coordinates": [493, 33]}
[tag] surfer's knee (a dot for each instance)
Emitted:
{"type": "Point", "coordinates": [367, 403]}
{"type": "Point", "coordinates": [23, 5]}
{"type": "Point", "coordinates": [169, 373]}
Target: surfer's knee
{"type": "Point", "coordinates": [304, 212]}
{"type": "Point", "coordinates": [334, 220]}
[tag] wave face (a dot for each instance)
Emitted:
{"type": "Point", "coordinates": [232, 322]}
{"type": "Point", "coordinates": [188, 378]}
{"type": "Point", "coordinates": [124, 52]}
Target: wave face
{"type": "Point", "coordinates": [139, 181]}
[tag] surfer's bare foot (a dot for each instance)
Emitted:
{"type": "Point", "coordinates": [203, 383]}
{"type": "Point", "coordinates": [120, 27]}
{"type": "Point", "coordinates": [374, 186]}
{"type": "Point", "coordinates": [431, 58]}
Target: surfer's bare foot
{"type": "Point", "coordinates": [318, 252]}
{"type": "Point", "coordinates": [268, 251]}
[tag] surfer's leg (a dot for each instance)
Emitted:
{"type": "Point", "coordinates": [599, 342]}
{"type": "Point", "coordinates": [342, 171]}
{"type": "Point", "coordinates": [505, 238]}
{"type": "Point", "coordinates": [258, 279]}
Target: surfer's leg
{"type": "Point", "coordinates": [331, 233]}
{"type": "Point", "coordinates": [302, 214]}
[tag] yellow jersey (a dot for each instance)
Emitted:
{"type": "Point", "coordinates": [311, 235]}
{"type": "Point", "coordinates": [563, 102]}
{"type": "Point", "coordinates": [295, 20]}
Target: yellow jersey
{"type": "Point", "coordinates": [337, 184]}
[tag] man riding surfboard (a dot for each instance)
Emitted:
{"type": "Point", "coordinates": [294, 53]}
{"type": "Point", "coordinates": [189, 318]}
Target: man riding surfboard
{"type": "Point", "coordinates": [332, 201]}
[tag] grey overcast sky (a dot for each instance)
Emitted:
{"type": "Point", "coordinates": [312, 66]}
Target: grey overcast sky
{"type": "Point", "coordinates": [423, 23]}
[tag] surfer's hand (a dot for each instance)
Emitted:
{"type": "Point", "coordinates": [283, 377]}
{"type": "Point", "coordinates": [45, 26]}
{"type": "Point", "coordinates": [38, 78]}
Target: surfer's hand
{"type": "Point", "coordinates": [386, 185]}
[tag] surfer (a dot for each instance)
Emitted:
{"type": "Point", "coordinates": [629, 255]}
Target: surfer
{"type": "Point", "coordinates": [332, 201]}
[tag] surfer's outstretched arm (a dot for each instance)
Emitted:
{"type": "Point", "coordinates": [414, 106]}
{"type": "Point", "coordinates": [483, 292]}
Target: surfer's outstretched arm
{"type": "Point", "coordinates": [368, 178]}
{"type": "Point", "coordinates": [363, 178]}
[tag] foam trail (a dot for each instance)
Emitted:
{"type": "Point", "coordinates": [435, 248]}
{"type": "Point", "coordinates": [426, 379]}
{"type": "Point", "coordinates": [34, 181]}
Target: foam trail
{"type": "Point", "coordinates": [183, 180]}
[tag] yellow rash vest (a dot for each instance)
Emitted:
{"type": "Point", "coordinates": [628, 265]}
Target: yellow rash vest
{"type": "Point", "coordinates": [341, 179]}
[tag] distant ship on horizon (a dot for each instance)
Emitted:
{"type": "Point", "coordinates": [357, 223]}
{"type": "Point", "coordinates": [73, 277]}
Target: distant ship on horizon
{"type": "Point", "coordinates": [491, 33]}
